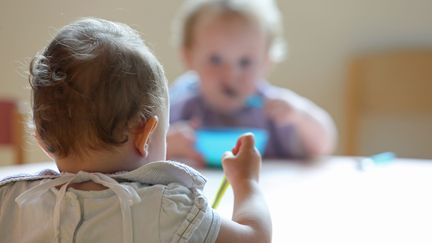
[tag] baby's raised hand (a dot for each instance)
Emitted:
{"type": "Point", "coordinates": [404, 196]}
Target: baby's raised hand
{"type": "Point", "coordinates": [244, 162]}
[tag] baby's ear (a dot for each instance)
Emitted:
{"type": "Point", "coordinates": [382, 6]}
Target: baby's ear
{"type": "Point", "coordinates": [143, 134]}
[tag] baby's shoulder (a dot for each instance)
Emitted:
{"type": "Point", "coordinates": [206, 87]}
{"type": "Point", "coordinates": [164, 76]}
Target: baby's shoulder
{"type": "Point", "coordinates": [184, 87]}
{"type": "Point", "coordinates": [177, 195]}
{"type": "Point", "coordinates": [185, 214]}
{"type": "Point", "coordinates": [28, 178]}
{"type": "Point", "coordinates": [270, 90]}
{"type": "Point", "coordinates": [13, 186]}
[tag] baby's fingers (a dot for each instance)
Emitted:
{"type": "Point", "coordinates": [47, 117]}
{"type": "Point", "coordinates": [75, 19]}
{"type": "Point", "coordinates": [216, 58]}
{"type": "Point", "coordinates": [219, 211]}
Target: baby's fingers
{"type": "Point", "coordinates": [246, 143]}
{"type": "Point", "coordinates": [227, 158]}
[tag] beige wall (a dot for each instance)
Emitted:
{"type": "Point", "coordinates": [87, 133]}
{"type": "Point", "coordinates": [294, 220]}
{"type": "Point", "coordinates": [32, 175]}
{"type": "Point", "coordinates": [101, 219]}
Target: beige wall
{"type": "Point", "coordinates": [322, 36]}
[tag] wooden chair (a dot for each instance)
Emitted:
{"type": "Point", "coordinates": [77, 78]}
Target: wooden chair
{"type": "Point", "coordinates": [12, 128]}
{"type": "Point", "coordinates": [389, 104]}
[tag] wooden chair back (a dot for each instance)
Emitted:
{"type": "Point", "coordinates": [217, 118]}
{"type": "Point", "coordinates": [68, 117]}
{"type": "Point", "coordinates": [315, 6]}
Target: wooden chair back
{"type": "Point", "coordinates": [12, 128]}
{"type": "Point", "coordinates": [389, 104]}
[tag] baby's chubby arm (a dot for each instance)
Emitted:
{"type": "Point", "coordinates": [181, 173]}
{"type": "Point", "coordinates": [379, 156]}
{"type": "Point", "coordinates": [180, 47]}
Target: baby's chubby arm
{"type": "Point", "coordinates": [251, 220]}
{"type": "Point", "coordinates": [314, 126]}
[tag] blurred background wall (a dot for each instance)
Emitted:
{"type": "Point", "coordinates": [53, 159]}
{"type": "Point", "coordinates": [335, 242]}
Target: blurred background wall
{"type": "Point", "coordinates": [322, 37]}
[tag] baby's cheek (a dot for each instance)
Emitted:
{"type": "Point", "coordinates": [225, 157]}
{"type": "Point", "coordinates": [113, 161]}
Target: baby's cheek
{"type": "Point", "coordinates": [208, 88]}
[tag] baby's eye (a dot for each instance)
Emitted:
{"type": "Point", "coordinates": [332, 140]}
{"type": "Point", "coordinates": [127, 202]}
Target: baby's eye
{"type": "Point", "coordinates": [245, 62]}
{"type": "Point", "coordinates": [215, 59]}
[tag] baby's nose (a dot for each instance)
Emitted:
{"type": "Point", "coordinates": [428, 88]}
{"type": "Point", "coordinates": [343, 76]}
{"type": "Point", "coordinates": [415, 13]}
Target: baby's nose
{"type": "Point", "coordinates": [229, 72]}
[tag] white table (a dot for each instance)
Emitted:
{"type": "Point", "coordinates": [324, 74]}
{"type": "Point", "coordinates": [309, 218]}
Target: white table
{"type": "Point", "coordinates": [332, 201]}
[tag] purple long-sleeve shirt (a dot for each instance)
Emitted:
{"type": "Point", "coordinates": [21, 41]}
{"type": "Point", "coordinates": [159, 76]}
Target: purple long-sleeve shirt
{"type": "Point", "coordinates": [187, 103]}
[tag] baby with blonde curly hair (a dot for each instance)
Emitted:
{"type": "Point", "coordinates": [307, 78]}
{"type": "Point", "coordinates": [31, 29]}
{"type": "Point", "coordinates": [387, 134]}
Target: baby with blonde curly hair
{"type": "Point", "coordinates": [228, 48]}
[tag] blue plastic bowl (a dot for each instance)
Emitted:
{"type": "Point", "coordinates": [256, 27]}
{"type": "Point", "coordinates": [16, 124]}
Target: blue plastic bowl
{"type": "Point", "coordinates": [212, 143]}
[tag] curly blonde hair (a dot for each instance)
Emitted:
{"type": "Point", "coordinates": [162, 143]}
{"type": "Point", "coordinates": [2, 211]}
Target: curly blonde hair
{"type": "Point", "coordinates": [91, 84]}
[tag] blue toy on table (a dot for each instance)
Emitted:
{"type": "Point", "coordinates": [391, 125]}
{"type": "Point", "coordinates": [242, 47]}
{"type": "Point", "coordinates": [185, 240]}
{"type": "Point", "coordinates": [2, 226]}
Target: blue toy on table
{"type": "Point", "coordinates": [212, 143]}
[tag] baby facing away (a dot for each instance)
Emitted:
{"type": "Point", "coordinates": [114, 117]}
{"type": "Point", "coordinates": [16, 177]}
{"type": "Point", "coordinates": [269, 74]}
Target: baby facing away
{"type": "Point", "coordinates": [100, 110]}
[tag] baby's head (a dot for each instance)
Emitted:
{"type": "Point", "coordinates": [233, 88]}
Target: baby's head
{"type": "Point", "coordinates": [93, 86]}
{"type": "Point", "coordinates": [230, 44]}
